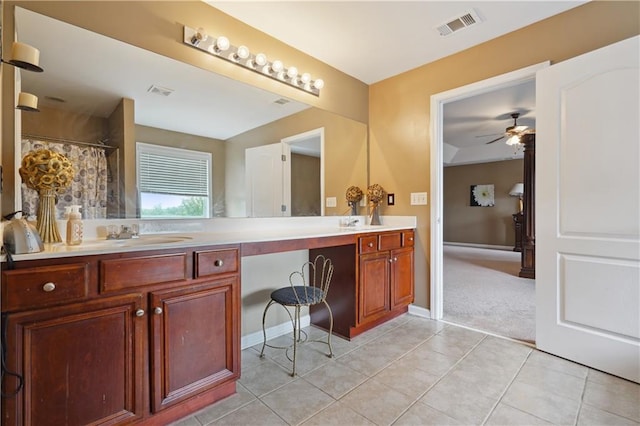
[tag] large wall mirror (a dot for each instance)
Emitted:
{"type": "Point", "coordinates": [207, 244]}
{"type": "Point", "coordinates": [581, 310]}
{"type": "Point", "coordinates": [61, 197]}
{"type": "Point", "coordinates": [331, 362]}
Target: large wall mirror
{"type": "Point", "coordinates": [104, 100]}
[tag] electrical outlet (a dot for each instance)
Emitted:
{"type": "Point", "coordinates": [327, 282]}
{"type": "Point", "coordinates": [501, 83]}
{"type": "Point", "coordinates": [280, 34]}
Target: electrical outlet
{"type": "Point", "coordinates": [331, 202]}
{"type": "Point", "coordinates": [418, 198]}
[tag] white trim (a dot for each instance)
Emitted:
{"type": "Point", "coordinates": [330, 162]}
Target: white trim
{"type": "Point", "coordinates": [437, 116]}
{"type": "Point", "coordinates": [272, 332]}
{"type": "Point", "coordinates": [486, 246]}
{"type": "Point", "coordinates": [419, 311]}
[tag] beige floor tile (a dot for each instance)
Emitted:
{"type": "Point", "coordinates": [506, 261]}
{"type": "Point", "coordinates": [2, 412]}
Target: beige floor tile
{"type": "Point", "coordinates": [250, 358]}
{"type": "Point", "coordinates": [462, 333]}
{"type": "Point", "coordinates": [335, 379]}
{"type": "Point", "coordinates": [450, 344]}
{"type": "Point", "coordinates": [339, 345]}
{"type": "Point", "coordinates": [377, 402]}
{"type": "Point", "coordinates": [297, 401]}
{"type": "Point", "coordinates": [506, 415]}
{"type": "Point", "coordinates": [541, 403]}
{"type": "Point", "coordinates": [459, 402]}
{"type": "Point", "coordinates": [612, 394]}
{"type": "Point", "coordinates": [308, 358]}
{"type": "Point", "coordinates": [394, 344]}
{"type": "Point", "coordinates": [366, 360]}
{"type": "Point", "coordinates": [421, 414]}
{"type": "Point", "coordinates": [425, 359]}
{"type": "Point", "coordinates": [557, 364]}
{"type": "Point", "coordinates": [401, 376]}
{"type": "Point", "coordinates": [187, 421]}
{"type": "Point", "coordinates": [489, 380]}
{"type": "Point", "coordinates": [225, 406]}
{"type": "Point", "coordinates": [553, 381]}
{"type": "Point", "coordinates": [338, 414]}
{"type": "Point", "coordinates": [254, 413]}
{"type": "Point", "coordinates": [265, 378]}
{"type": "Point", "coordinates": [592, 416]}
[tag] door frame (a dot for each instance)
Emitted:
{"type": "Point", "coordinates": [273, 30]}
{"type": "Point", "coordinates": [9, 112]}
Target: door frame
{"type": "Point", "coordinates": [438, 101]}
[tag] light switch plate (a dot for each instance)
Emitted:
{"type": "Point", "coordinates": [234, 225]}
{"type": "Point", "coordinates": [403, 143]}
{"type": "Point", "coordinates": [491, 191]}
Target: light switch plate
{"type": "Point", "coordinates": [418, 198]}
{"type": "Point", "coordinates": [331, 202]}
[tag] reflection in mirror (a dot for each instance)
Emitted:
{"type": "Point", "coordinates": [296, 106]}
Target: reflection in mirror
{"type": "Point", "coordinates": [139, 96]}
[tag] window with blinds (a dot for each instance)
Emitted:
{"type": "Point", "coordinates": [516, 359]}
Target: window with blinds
{"type": "Point", "coordinates": [173, 182]}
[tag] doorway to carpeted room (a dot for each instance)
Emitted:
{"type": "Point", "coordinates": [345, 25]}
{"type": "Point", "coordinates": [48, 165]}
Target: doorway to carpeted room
{"type": "Point", "coordinates": [482, 290]}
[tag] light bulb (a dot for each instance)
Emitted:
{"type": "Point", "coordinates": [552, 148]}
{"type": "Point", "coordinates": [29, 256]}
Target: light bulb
{"type": "Point", "coordinates": [199, 36]}
{"type": "Point", "coordinates": [292, 72]}
{"type": "Point", "coordinates": [277, 66]}
{"type": "Point", "coordinates": [261, 59]}
{"type": "Point", "coordinates": [222, 44]}
{"type": "Point", "coordinates": [243, 52]}
{"type": "Point", "coordinates": [305, 78]}
{"type": "Point", "coordinates": [318, 84]}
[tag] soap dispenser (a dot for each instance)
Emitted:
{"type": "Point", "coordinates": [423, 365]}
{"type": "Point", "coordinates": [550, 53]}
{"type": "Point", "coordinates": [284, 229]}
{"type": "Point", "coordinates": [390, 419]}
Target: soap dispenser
{"type": "Point", "coordinates": [74, 226]}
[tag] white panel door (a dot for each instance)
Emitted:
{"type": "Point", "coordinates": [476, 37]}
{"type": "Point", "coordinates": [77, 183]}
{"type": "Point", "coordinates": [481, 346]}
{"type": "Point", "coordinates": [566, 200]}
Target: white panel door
{"type": "Point", "coordinates": [265, 173]}
{"type": "Point", "coordinates": [588, 209]}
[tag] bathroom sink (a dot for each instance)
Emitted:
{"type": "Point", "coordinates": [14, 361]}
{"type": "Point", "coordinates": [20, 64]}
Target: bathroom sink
{"type": "Point", "coordinates": [134, 242]}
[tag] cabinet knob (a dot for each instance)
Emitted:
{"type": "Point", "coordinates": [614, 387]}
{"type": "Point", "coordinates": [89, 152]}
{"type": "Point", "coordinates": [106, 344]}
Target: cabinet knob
{"type": "Point", "coordinates": [49, 287]}
{"type": "Point", "coordinates": [410, 238]}
{"type": "Point", "coordinates": [390, 260]}
{"type": "Point", "coordinates": [140, 312]}
{"type": "Point", "coordinates": [218, 262]}
{"type": "Point", "coordinates": [157, 310]}
{"type": "Point", "coordinates": [395, 259]}
{"type": "Point", "coordinates": [370, 244]}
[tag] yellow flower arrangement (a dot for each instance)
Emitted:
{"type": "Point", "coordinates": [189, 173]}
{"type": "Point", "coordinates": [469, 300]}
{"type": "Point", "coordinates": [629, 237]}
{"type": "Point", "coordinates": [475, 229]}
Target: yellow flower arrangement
{"type": "Point", "coordinates": [354, 194]}
{"type": "Point", "coordinates": [44, 169]}
{"type": "Point", "coordinates": [375, 193]}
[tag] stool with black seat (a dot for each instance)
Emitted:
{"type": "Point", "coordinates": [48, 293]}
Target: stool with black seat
{"type": "Point", "coordinates": [309, 286]}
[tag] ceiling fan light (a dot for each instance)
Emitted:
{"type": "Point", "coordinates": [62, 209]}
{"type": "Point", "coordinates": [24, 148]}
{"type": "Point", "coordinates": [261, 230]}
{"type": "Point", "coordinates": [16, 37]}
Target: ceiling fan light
{"type": "Point", "coordinates": [513, 140]}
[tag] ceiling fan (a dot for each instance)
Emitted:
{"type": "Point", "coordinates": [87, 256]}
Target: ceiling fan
{"type": "Point", "coordinates": [513, 133]}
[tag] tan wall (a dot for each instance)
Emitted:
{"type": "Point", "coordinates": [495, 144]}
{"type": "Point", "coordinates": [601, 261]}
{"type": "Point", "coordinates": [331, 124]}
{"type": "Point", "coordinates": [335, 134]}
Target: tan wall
{"type": "Point", "coordinates": [216, 147]}
{"type": "Point", "coordinates": [480, 225]}
{"type": "Point", "coordinates": [345, 153]}
{"type": "Point", "coordinates": [61, 124]}
{"type": "Point", "coordinates": [305, 185]}
{"type": "Point", "coordinates": [399, 106]}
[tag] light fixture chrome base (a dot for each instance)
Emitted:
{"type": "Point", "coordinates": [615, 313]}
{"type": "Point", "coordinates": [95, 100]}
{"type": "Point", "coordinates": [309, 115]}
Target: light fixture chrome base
{"type": "Point", "coordinates": [257, 63]}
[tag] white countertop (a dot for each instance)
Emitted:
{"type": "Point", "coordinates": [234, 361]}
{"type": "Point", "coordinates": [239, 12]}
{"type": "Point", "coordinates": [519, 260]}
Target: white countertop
{"type": "Point", "coordinates": [163, 234]}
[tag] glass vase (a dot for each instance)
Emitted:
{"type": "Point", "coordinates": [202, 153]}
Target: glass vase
{"type": "Point", "coordinates": [354, 208]}
{"type": "Point", "coordinates": [375, 215]}
{"type": "Point", "coordinates": [46, 225]}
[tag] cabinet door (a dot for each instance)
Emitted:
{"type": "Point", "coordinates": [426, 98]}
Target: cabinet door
{"type": "Point", "coordinates": [81, 364]}
{"type": "Point", "coordinates": [401, 277]}
{"type": "Point", "coordinates": [195, 340]}
{"type": "Point", "coordinates": [373, 292]}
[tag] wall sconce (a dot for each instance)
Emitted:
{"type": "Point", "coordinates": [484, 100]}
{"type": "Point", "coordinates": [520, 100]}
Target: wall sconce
{"type": "Point", "coordinates": [518, 191]}
{"type": "Point", "coordinates": [27, 102]}
{"type": "Point", "coordinates": [25, 57]}
{"type": "Point", "coordinates": [241, 55]}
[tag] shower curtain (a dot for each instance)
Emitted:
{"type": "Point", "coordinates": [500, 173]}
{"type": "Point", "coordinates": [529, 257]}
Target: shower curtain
{"type": "Point", "coordinates": [89, 187]}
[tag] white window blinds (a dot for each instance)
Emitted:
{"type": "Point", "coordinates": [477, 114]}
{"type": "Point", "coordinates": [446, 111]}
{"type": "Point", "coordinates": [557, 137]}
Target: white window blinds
{"type": "Point", "coordinates": [163, 170]}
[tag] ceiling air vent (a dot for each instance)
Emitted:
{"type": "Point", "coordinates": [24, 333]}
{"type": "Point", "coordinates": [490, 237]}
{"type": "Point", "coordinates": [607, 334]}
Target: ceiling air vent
{"type": "Point", "coordinates": [459, 23]}
{"type": "Point", "coordinates": [281, 101]}
{"type": "Point", "coordinates": [162, 91]}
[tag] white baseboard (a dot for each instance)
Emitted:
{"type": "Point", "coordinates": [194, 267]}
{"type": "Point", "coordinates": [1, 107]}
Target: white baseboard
{"type": "Point", "coordinates": [419, 311]}
{"type": "Point", "coordinates": [272, 332]}
{"type": "Point", "coordinates": [487, 246]}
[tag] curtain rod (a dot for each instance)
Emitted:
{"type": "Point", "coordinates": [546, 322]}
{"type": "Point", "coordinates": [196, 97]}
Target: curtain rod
{"type": "Point", "coordinates": [50, 139]}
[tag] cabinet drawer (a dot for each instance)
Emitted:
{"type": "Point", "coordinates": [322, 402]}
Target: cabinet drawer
{"type": "Point", "coordinates": [213, 262]}
{"type": "Point", "coordinates": [368, 244]}
{"type": "Point", "coordinates": [118, 274]}
{"type": "Point", "coordinates": [390, 241]}
{"type": "Point", "coordinates": [408, 239]}
{"type": "Point", "coordinates": [44, 286]}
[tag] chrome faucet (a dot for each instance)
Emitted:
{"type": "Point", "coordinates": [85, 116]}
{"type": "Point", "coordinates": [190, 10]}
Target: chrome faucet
{"type": "Point", "coordinates": [126, 232]}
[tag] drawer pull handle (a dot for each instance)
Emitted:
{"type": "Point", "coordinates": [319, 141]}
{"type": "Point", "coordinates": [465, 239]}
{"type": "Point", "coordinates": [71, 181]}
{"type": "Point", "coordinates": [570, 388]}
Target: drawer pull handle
{"type": "Point", "coordinates": [48, 287]}
{"type": "Point", "coordinates": [140, 312]}
{"type": "Point", "coordinates": [370, 244]}
{"type": "Point", "coordinates": [157, 310]}
{"type": "Point", "coordinates": [218, 262]}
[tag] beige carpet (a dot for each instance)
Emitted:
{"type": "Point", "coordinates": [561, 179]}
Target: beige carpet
{"type": "Point", "coordinates": [482, 290]}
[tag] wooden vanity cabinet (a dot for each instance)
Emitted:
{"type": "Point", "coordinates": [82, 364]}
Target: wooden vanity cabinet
{"type": "Point", "coordinates": [120, 343]}
{"type": "Point", "coordinates": [371, 284]}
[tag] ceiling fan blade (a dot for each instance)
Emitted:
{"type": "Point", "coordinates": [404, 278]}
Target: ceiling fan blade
{"type": "Point", "coordinates": [490, 134]}
{"type": "Point", "coordinates": [495, 140]}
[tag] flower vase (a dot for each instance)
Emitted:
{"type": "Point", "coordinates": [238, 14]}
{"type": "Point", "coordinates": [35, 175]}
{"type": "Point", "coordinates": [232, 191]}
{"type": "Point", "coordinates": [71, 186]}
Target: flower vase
{"type": "Point", "coordinates": [354, 208]}
{"type": "Point", "coordinates": [375, 215]}
{"type": "Point", "coordinates": [46, 225]}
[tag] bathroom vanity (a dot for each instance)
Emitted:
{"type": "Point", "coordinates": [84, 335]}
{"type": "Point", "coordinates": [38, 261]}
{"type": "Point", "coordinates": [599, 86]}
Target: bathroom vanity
{"type": "Point", "coordinates": [149, 331]}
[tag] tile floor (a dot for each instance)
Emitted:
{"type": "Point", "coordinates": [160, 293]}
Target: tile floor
{"type": "Point", "coordinates": [415, 371]}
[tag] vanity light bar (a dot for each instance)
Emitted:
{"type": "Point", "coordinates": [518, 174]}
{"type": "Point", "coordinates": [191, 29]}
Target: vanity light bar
{"type": "Point", "coordinates": [242, 56]}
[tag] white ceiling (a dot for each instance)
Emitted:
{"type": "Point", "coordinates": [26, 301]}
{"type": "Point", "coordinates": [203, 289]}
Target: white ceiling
{"type": "Point", "coordinates": [375, 40]}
